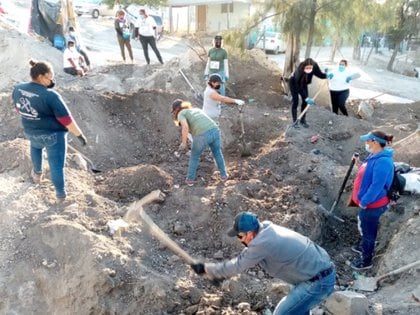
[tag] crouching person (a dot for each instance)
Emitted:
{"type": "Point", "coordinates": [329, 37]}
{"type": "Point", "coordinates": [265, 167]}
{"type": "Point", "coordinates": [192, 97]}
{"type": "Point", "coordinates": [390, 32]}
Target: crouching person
{"type": "Point", "coordinates": [282, 253]}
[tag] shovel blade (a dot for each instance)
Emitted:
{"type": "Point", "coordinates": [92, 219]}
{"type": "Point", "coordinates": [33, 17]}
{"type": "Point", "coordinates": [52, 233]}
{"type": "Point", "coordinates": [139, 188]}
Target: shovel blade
{"type": "Point", "coordinates": [362, 283]}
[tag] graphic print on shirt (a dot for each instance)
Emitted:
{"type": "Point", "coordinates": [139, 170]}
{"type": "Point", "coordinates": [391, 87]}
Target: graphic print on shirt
{"type": "Point", "coordinates": [24, 106]}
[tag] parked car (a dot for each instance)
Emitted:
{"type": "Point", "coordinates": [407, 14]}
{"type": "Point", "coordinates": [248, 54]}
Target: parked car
{"type": "Point", "coordinates": [132, 11]}
{"type": "Point", "coordinates": [95, 8]}
{"type": "Point", "coordinates": [271, 41]}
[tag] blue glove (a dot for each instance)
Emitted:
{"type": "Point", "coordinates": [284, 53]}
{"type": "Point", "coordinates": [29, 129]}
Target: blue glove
{"type": "Point", "coordinates": [348, 79]}
{"type": "Point", "coordinates": [326, 70]}
{"type": "Point", "coordinates": [226, 79]}
{"type": "Point", "coordinates": [309, 101]}
{"type": "Point", "coordinates": [206, 77]}
{"type": "Point", "coordinates": [330, 76]}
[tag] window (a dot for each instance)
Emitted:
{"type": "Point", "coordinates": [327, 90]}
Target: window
{"type": "Point", "coordinates": [225, 7]}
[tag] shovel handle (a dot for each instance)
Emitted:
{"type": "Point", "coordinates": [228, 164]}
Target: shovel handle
{"type": "Point", "coordinates": [399, 270]}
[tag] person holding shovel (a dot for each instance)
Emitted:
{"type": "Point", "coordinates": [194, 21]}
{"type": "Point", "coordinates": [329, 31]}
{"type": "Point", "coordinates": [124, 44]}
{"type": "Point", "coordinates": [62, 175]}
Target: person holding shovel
{"type": "Point", "coordinates": [46, 121]}
{"type": "Point", "coordinates": [204, 133]}
{"type": "Point", "coordinates": [340, 86]}
{"type": "Point", "coordinates": [370, 193]}
{"type": "Point", "coordinates": [298, 85]}
{"type": "Point", "coordinates": [283, 254]}
{"type": "Point", "coordinates": [213, 99]}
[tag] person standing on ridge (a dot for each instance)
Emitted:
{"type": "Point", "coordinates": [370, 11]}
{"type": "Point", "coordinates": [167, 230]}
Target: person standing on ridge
{"type": "Point", "coordinates": [122, 27]}
{"type": "Point", "coordinates": [217, 62]}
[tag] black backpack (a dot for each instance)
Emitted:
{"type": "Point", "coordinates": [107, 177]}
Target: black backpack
{"type": "Point", "coordinates": [398, 182]}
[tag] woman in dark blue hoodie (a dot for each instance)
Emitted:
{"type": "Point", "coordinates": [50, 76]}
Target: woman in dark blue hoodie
{"type": "Point", "coordinates": [370, 193]}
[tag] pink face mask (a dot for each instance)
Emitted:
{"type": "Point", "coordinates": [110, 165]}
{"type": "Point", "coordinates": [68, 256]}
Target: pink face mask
{"type": "Point", "coordinates": [307, 70]}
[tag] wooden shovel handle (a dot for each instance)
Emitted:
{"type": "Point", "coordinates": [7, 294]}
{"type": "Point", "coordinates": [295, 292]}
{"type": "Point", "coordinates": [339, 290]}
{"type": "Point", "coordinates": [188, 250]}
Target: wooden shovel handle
{"type": "Point", "coordinates": [399, 270]}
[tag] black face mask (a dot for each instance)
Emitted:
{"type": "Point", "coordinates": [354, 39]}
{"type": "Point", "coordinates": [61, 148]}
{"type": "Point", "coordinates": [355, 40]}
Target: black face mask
{"type": "Point", "coordinates": [216, 87]}
{"type": "Point", "coordinates": [218, 44]}
{"type": "Point", "coordinates": [51, 85]}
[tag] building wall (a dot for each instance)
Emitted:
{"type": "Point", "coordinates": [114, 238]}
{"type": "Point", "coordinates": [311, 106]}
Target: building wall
{"type": "Point", "coordinates": [218, 21]}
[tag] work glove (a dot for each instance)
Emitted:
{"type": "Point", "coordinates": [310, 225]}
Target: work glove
{"type": "Point", "coordinates": [309, 101]}
{"type": "Point", "coordinates": [239, 102]}
{"type": "Point", "coordinates": [206, 77]}
{"type": "Point", "coordinates": [226, 78]}
{"type": "Point", "coordinates": [348, 79]}
{"type": "Point", "coordinates": [198, 267]}
{"type": "Point", "coordinates": [183, 147]}
{"type": "Point", "coordinates": [330, 76]}
{"type": "Point", "coordinates": [82, 139]}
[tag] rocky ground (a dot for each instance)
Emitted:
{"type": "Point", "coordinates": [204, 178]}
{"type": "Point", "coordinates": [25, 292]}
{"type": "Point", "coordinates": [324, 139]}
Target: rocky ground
{"type": "Point", "coordinates": [62, 259]}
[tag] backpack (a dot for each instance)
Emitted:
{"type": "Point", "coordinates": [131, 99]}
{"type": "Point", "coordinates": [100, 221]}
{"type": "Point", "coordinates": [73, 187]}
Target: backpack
{"type": "Point", "coordinates": [398, 182]}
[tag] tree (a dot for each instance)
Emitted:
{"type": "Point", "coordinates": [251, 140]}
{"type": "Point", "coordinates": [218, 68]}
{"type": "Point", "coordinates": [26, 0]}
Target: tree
{"type": "Point", "coordinates": [153, 3]}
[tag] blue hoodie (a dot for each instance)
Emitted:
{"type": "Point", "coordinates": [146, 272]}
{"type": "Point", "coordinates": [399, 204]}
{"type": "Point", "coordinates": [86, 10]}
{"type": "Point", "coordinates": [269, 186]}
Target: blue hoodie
{"type": "Point", "coordinates": [377, 178]}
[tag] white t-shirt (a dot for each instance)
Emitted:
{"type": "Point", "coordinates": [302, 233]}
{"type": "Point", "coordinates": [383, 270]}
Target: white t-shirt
{"type": "Point", "coordinates": [338, 82]}
{"type": "Point", "coordinates": [70, 54]}
{"type": "Point", "coordinates": [211, 107]}
{"type": "Point", "coordinates": [146, 25]}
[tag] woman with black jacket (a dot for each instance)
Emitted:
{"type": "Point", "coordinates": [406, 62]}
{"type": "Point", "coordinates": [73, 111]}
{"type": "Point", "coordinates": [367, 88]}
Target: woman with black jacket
{"type": "Point", "coordinates": [299, 86]}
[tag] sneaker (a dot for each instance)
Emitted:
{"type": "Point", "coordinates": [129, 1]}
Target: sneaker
{"type": "Point", "coordinates": [189, 182]}
{"type": "Point", "coordinates": [224, 178]}
{"type": "Point", "coordinates": [357, 249]}
{"type": "Point", "coordinates": [296, 125]}
{"type": "Point", "coordinates": [304, 124]}
{"type": "Point", "coordinates": [36, 177]}
{"type": "Point", "coordinates": [359, 264]}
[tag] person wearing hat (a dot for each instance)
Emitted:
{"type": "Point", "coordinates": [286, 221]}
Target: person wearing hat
{"type": "Point", "coordinates": [204, 132]}
{"type": "Point", "coordinates": [217, 62]}
{"type": "Point", "coordinates": [212, 99]}
{"type": "Point", "coordinates": [370, 193]}
{"type": "Point", "coordinates": [73, 61]}
{"type": "Point", "coordinates": [283, 254]}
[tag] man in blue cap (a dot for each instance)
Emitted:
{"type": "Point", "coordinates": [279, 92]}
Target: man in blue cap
{"type": "Point", "coordinates": [282, 253]}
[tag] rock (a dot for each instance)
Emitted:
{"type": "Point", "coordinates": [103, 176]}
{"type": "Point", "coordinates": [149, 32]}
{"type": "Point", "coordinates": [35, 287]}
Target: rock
{"type": "Point", "coordinates": [347, 303]}
{"type": "Point", "coordinates": [365, 110]}
{"type": "Point", "coordinates": [194, 295]}
{"type": "Point", "coordinates": [173, 259]}
{"type": "Point", "coordinates": [244, 306]}
{"type": "Point", "coordinates": [179, 228]}
{"type": "Point", "coordinates": [191, 310]}
{"type": "Point", "coordinates": [260, 274]}
{"type": "Point", "coordinates": [315, 151]}
{"type": "Point", "coordinates": [218, 255]}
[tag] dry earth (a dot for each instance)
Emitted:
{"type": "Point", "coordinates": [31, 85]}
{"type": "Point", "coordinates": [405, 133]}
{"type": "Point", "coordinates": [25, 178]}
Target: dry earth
{"type": "Point", "coordinates": [61, 259]}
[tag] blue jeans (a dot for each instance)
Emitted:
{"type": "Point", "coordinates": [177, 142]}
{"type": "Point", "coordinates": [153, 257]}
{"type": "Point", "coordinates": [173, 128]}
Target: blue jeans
{"type": "Point", "coordinates": [368, 222]}
{"type": "Point", "coordinates": [305, 296]}
{"type": "Point", "coordinates": [56, 146]}
{"type": "Point", "coordinates": [209, 138]}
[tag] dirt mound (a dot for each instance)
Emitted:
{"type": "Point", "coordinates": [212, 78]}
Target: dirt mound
{"type": "Point", "coordinates": [61, 258]}
{"type": "Point", "coordinates": [133, 182]}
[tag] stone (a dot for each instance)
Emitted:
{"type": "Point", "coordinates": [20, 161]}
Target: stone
{"type": "Point", "coordinates": [347, 303]}
{"type": "Point", "coordinates": [244, 306]}
{"type": "Point", "coordinates": [365, 110]}
{"type": "Point", "coordinates": [218, 255]}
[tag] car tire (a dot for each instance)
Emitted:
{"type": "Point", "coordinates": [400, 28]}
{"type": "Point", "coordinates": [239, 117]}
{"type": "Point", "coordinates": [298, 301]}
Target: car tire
{"type": "Point", "coordinates": [95, 14]}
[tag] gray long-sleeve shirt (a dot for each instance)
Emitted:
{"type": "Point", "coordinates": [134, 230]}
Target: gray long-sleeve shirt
{"type": "Point", "coordinates": [281, 252]}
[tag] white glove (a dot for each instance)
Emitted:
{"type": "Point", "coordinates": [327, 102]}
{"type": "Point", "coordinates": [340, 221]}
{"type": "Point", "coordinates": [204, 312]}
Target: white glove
{"type": "Point", "coordinates": [239, 102]}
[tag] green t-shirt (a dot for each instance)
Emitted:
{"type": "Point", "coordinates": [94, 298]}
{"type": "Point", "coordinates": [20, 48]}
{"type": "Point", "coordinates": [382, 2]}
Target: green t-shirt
{"type": "Point", "coordinates": [217, 57]}
{"type": "Point", "coordinates": [197, 120]}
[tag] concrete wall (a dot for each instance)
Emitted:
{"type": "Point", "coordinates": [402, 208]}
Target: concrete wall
{"type": "Point", "coordinates": [218, 21]}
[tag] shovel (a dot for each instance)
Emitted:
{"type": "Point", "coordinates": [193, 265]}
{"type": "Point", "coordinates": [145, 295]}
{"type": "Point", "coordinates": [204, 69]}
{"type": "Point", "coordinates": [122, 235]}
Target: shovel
{"type": "Point", "coordinates": [244, 147]}
{"type": "Point", "coordinates": [370, 284]}
{"type": "Point", "coordinates": [304, 111]}
{"type": "Point", "coordinates": [343, 185]}
{"type": "Point", "coordinates": [92, 166]}
{"type": "Point", "coordinates": [197, 95]}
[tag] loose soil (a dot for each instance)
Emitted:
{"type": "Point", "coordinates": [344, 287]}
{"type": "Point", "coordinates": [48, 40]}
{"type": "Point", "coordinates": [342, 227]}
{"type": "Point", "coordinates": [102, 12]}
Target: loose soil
{"type": "Point", "coordinates": [61, 258]}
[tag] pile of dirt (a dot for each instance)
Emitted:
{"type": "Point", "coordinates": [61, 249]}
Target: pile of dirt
{"type": "Point", "coordinates": [61, 258]}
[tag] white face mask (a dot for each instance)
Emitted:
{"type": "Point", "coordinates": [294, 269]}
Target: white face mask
{"type": "Point", "coordinates": [307, 70]}
{"type": "Point", "coordinates": [368, 148]}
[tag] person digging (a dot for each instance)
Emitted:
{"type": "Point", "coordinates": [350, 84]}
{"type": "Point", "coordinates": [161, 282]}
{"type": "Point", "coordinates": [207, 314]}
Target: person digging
{"type": "Point", "coordinates": [282, 253]}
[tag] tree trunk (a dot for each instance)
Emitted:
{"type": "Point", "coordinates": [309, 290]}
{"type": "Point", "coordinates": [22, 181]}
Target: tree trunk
{"type": "Point", "coordinates": [292, 54]}
{"type": "Point", "coordinates": [311, 30]}
{"type": "Point", "coordinates": [333, 50]}
{"type": "Point", "coordinates": [390, 65]}
{"type": "Point", "coordinates": [356, 51]}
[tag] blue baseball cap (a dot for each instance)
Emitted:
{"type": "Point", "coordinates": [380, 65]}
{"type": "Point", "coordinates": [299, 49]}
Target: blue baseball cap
{"type": "Point", "coordinates": [244, 222]}
{"type": "Point", "coordinates": [371, 136]}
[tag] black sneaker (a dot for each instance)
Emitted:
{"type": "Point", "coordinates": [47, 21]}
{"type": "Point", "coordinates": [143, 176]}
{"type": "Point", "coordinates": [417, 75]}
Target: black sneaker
{"type": "Point", "coordinates": [357, 249]}
{"type": "Point", "coordinates": [359, 264]}
{"type": "Point", "coordinates": [304, 124]}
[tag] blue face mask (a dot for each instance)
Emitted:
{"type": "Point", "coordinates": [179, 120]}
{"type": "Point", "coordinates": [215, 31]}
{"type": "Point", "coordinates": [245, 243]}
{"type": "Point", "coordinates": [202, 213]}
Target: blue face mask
{"type": "Point", "coordinates": [367, 148]}
{"type": "Point", "coordinates": [341, 68]}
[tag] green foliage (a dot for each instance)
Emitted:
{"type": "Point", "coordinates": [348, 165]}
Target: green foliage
{"type": "Point", "coordinates": [141, 2]}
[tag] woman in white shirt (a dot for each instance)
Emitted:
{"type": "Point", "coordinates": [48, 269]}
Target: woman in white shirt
{"type": "Point", "coordinates": [340, 86]}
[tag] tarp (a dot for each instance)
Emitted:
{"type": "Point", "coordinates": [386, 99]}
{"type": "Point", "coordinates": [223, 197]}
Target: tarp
{"type": "Point", "coordinates": [51, 17]}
